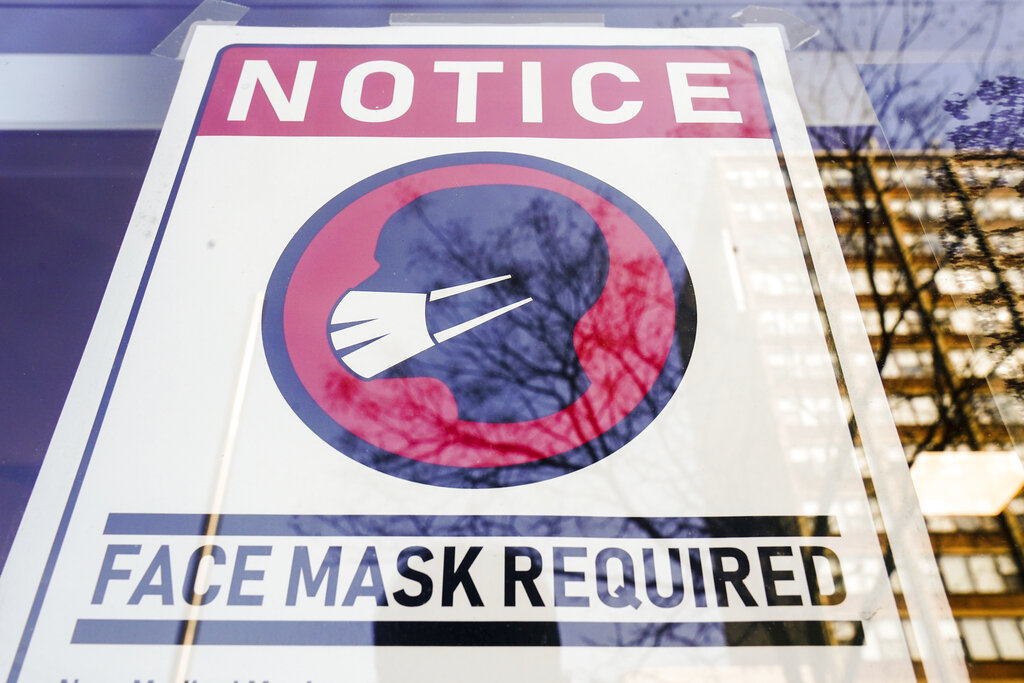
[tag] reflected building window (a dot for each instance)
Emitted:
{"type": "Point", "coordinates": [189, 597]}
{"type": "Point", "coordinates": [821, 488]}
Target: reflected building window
{"type": "Point", "coordinates": [933, 242]}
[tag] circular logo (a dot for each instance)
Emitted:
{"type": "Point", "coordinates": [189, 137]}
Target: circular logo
{"type": "Point", "coordinates": [479, 320]}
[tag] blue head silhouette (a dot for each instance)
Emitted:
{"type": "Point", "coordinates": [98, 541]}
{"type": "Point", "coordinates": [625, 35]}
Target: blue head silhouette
{"type": "Point", "coordinates": [549, 263]}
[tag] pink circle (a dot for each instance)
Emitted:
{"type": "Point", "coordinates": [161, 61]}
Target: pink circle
{"type": "Point", "coordinates": [622, 342]}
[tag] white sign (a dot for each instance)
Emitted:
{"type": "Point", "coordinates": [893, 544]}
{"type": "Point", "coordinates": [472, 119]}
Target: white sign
{"type": "Point", "coordinates": [459, 354]}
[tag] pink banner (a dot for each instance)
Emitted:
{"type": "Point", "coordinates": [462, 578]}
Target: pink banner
{"type": "Point", "coordinates": [545, 92]}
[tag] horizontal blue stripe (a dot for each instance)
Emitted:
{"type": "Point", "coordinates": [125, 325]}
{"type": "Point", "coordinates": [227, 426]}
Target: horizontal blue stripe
{"type": "Point", "coordinates": [460, 633]}
{"type": "Point", "coordinates": [156, 524]}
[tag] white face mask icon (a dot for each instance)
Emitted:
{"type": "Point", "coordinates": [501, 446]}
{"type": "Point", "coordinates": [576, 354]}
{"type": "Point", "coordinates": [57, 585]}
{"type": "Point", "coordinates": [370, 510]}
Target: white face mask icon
{"type": "Point", "coordinates": [481, 289]}
{"type": "Point", "coordinates": [392, 326]}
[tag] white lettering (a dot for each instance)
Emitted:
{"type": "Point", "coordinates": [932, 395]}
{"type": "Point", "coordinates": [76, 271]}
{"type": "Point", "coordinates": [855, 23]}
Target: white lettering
{"type": "Point", "coordinates": [533, 109]}
{"type": "Point", "coordinates": [401, 96]}
{"type": "Point", "coordinates": [583, 93]}
{"type": "Point", "coordinates": [287, 108]}
{"type": "Point", "coordinates": [683, 93]}
{"type": "Point", "coordinates": [465, 108]}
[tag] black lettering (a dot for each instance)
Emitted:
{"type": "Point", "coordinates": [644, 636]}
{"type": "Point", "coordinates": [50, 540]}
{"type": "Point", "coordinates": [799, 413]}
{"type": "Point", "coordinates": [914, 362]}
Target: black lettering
{"type": "Point", "coordinates": [563, 576]}
{"type": "Point", "coordinates": [527, 577]}
{"type": "Point", "coordinates": [772, 576]}
{"type": "Point", "coordinates": [721, 576]}
{"type": "Point", "coordinates": [188, 589]}
{"type": "Point", "coordinates": [426, 585]}
{"type": "Point", "coordinates": [624, 595]}
{"type": "Point", "coordinates": [302, 570]}
{"type": "Point", "coordinates": [368, 566]}
{"type": "Point", "coordinates": [700, 598]}
{"type": "Point", "coordinates": [161, 565]}
{"type": "Point", "coordinates": [107, 571]}
{"type": "Point", "coordinates": [452, 577]}
{"type": "Point", "coordinates": [240, 574]}
{"type": "Point", "coordinates": [838, 593]}
{"type": "Point", "coordinates": [651, 579]}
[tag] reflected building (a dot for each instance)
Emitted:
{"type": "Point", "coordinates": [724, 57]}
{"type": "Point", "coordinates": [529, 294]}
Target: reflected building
{"type": "Point", "coordinates": [935, 247]}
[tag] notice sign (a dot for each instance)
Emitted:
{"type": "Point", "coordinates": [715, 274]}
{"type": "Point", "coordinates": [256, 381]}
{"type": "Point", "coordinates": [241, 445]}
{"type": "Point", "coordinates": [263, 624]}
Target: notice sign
{"type": "Point", "coordinates": [459, 354]}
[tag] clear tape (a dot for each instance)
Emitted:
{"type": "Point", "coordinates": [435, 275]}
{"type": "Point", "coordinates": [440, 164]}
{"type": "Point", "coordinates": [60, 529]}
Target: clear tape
{"type": "Point", "coordinates": [795, 32]}
{"type": "Point", "coordinates": [221, 12]}
{"type": "Point", "coordinates": [497, 19]}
